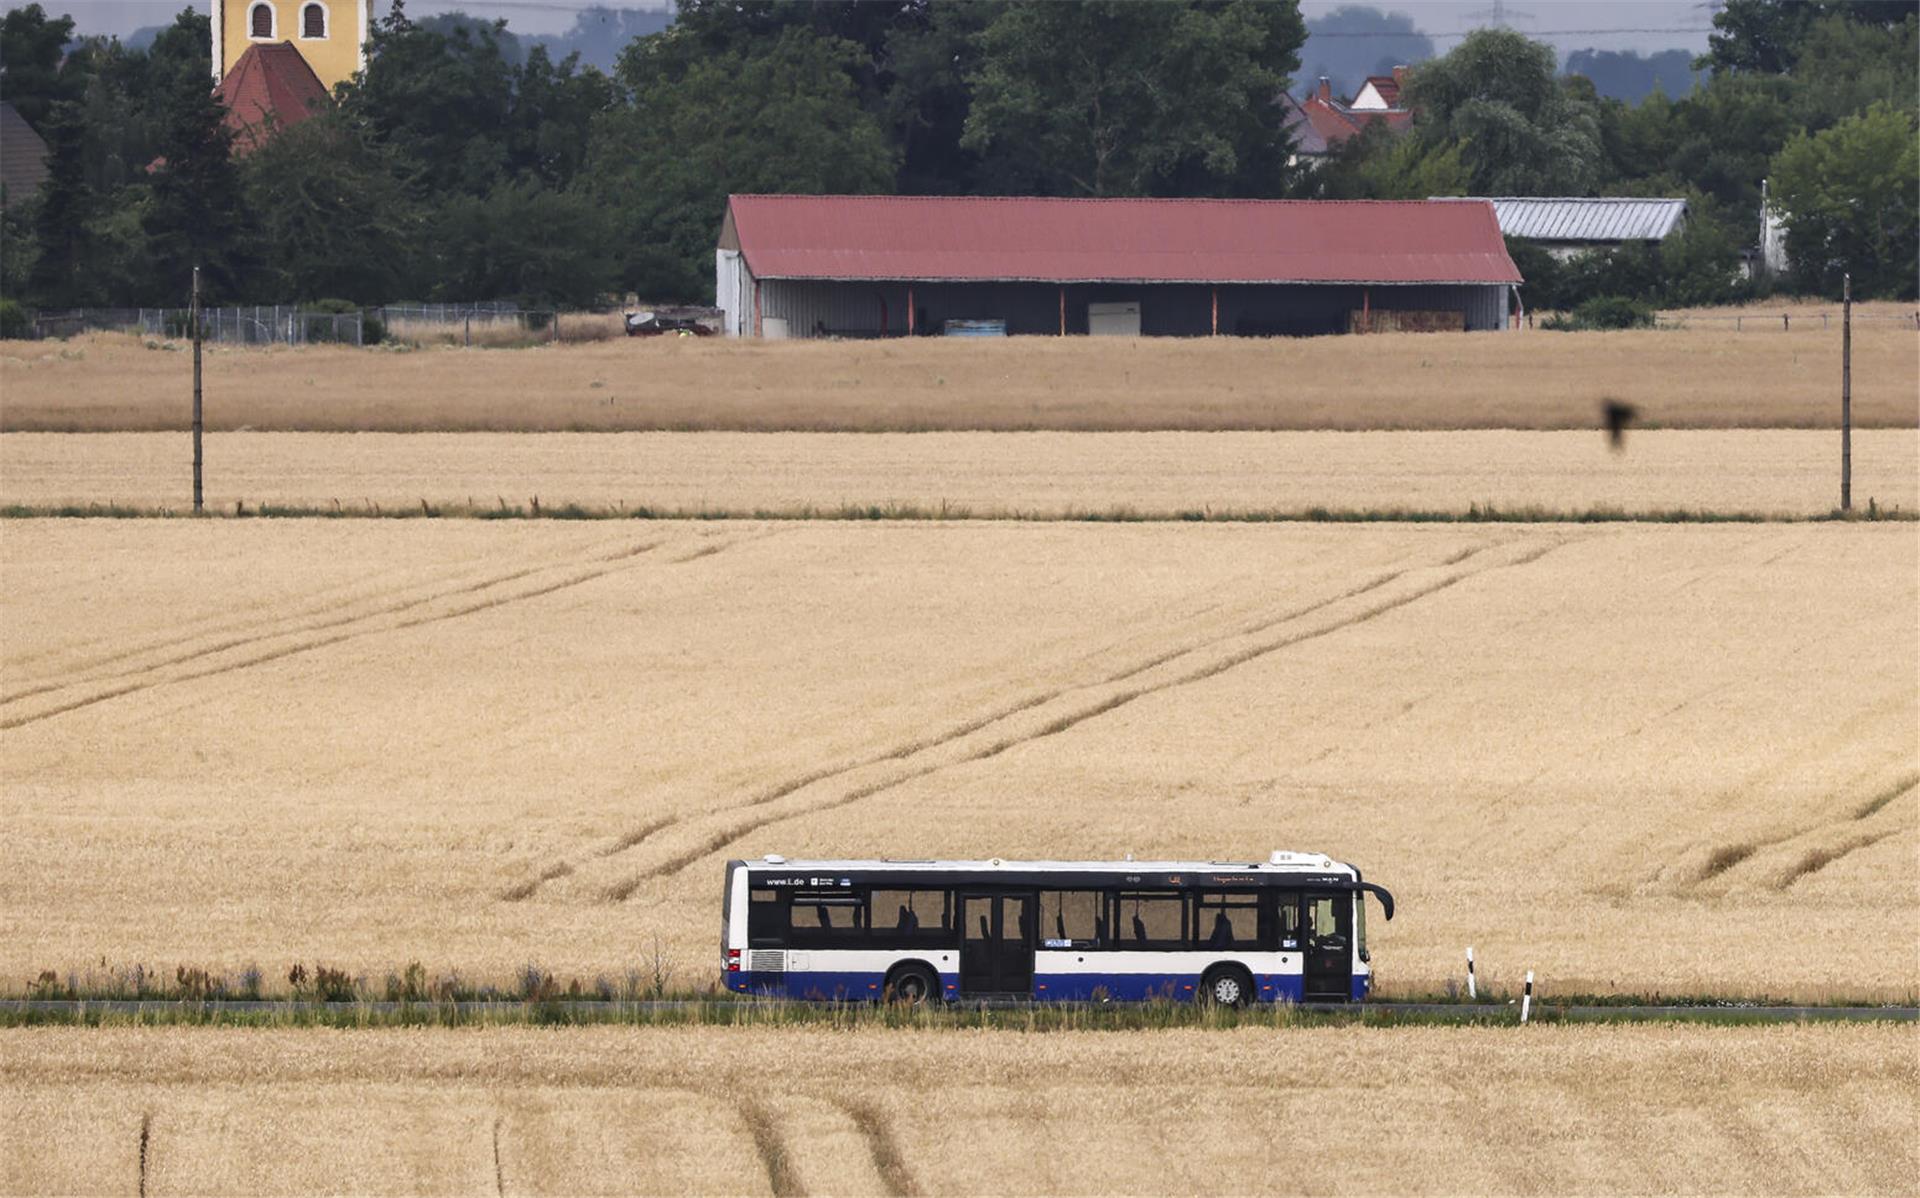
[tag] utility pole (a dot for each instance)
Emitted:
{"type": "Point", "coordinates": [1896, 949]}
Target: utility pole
{"type": "Point", "coordinates": [196, 391]}
{"type": "Point", "coordinates": [1846, 392]}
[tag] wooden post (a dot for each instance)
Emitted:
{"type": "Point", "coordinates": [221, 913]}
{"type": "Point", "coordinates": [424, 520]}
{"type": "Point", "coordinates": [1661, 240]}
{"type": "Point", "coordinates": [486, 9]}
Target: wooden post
{"type": "Point", "coordinates": [911, 317]}
{"type": "Point", "coordinates": [469, 328]}
{"type": "Point", "coordinates": [1366, 309]}
{"type": "Point", "coordinates": [1846, 392]}
{"type": "Point", "coordinates": [1063, 309]}
{"type": "Point", "coordinates": [1216, 311]}
{"type": "Point", "coordinates": [197, 460]}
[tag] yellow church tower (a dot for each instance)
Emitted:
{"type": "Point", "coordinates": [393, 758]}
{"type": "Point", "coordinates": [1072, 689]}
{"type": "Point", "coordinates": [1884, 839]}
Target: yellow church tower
{"type": "Point", "coordinates": [329, 35]}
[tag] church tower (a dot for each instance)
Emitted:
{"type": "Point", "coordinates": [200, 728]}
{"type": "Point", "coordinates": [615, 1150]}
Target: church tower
{"type": "Point", "coordinates": [329, 35]}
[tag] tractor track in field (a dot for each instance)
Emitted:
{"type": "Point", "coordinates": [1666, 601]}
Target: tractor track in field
{"type": "Point", "coordinates": [732, 826]}
{"type": "Point", "coordinates": [493, 592]}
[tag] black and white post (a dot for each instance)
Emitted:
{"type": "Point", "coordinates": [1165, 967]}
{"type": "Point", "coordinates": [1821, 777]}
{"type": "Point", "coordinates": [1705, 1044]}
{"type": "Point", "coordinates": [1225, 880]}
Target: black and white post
{"type": "Point", "coordinates": [1473, 992]}
{"type": "Point", "coordinates": [1526, 999]}
{"type": "Point", "coordinates": [195, 318]}
{"type": "Point", "coordinates": [1846, 392]}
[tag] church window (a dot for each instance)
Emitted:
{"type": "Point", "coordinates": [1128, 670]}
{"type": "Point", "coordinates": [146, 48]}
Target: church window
{"type": "Point", "coordinates": [260, 20]}
{"type": "Point", "coordinates": [313, 21]}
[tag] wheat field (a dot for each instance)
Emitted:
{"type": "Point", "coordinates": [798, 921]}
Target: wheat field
{"type": "Point", "coordinates": [1553, 1110]}
{"type": "Point", "coordinates": [1635, 758]}
{"type": "Point", "coordinates": [1774, 471]}
{"type": "Point", "coordinates": [1704, 377]}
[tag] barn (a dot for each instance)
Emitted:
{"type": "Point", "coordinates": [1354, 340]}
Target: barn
{"type": "Point", "coordinates": [886, 266]}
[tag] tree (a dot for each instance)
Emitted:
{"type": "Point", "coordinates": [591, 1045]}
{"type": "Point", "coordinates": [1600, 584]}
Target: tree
{"type": "Point", "coordinates": [445, 101]}
{"type": "Point", "coordinates": [1522, 131]}
{"type": "Point", "coordinates": [783, 117]}
{"type": "Point", "coordinates": [1110, 98]}
{"type": "Point", "coordinates": [552, 112]}
{"type": "Point", "coordinates": [36, 75]}
{"type": "Point", "coordinates": [1845, 65]}
{"type": "Point", "coordinates": [337, 213]}
{"type": "Point", "coordinates": [524, 242]}
{"type": "Point", "coordinates": [1625, 75]}
{"type": "Point", "coordinates": [1768, 36]}
{"type": "Point", "coordinates": [1850, 199]}
{"type": "Point", "coordinates": [63, 274]}
{"type": "Point", "coordinates": [196, 215]}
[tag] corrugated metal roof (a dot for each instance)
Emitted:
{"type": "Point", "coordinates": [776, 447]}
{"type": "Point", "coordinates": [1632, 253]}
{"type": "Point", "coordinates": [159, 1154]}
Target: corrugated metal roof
{"type": "Point", "coordinates": [23, 155]}
{"type": "Point", "coordinates": [1090, 241]}
{"type": "Point", "coordinates": [1577, 218]}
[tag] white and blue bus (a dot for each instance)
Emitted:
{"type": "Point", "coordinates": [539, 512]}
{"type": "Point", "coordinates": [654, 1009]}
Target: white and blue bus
{"type": "Point", "coordinates": [1289, 929]}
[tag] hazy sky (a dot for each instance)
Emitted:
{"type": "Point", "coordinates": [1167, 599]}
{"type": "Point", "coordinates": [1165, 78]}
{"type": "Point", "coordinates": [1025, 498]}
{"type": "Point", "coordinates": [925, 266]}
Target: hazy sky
{"type": "Point", "coordinates": [1437, 18]}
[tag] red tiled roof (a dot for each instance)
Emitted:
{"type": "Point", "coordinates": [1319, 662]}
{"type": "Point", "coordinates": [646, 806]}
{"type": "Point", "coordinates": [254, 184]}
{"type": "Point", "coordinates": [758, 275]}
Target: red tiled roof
{"type": "Point", "coordinates": [1074, 241]}
{"type": "Point", "coordinates": [271, 87]}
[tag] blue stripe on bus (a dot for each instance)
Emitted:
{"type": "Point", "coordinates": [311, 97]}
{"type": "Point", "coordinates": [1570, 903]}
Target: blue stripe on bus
{"type": "Point", "coordinates": [822, 985]}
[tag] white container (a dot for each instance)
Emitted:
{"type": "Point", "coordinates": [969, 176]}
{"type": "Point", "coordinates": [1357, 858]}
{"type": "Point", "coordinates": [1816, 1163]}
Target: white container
{"type": "Point", "coordinates": [1114, 320]}
{"type": "Point", "coordinates": [773, 328]}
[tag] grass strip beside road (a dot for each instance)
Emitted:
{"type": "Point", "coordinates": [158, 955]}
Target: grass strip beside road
{"type": "Point", "coordinates": [1012, 1016]}
{"type": "Point", "coordinates": [1472, 514]}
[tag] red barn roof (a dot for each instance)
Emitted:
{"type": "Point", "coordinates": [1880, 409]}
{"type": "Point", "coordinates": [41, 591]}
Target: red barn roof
{"type": "Point", "coordinates": [270, 88]}
{"type": "Point", "coordinates": [1087, 241]}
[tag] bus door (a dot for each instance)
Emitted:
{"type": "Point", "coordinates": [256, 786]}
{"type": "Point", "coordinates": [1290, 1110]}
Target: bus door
{"type": "Point", "coordinates": [996, 949]}
{"type": "Point", "coordinates": [1327, 924]}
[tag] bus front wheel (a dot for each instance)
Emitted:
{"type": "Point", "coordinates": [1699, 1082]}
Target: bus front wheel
{"type": "Point", "coordinates": [1227, 986]}
{"type": "Point", "coordinates": [912, 985]}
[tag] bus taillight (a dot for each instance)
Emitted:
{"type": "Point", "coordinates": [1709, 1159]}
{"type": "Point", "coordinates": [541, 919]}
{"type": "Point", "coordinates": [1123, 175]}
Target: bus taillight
{"type": "Point", "coordinates": [733, 960]}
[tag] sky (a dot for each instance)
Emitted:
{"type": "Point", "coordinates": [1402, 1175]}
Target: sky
{"type": "Point", "coordinates": [1542, 19]}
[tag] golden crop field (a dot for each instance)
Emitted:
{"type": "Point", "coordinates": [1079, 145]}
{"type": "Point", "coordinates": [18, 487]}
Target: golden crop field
{"type": "Point", "coordinates": [1700, 377]}
{"type": "Point", "coordinates": [1633, 758]}
{"type": "Point", "coordinates": [1556, 1110]}
{"type": "Point", "coordinates": [1772, 471]}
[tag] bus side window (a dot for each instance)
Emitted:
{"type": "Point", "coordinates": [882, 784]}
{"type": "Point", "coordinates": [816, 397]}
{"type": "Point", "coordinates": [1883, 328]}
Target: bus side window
{"type": "Point", "coordinates": [829, 920]}
{"type": "Point", "coordinates": [910, 917]}
{"type": "Point", "coordinates": [1071, 918]}
{"type": "Point", "coordinates": [1152, 919]}
{"type": "Point", "coordinates": [1226, 919]}
{"type": "Point", "coordinates": [1286, 917]}
{"type": "Point", "coordinates": [766, 918]}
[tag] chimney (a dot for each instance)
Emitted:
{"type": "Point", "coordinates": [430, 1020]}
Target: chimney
{"type": "Point", "coordinates": [1400, 76]}
{"type": "Point", "coordinates": [1324, 93]}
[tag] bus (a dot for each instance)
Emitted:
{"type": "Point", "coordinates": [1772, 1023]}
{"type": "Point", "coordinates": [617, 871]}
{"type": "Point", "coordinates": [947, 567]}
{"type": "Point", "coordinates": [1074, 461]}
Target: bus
{"type": "Point", "coordinates": [1292, 928]}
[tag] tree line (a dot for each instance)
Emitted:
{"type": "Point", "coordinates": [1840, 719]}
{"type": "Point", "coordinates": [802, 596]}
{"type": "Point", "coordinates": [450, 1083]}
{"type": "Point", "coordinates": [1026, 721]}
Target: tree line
{"type": "Point", "coordinates": [460, 165]}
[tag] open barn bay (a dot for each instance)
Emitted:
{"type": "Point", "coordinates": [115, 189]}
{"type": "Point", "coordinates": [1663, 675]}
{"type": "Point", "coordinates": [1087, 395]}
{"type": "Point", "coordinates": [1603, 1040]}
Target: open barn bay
{"type": "Point", "coordinates": [1633, 758]}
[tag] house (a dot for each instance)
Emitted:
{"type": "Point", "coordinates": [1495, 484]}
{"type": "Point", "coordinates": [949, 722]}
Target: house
{"type": "Point", "coordinates": [881, 266]}
{"type": "Point", "coordinates": [1567, 226]}
{"type": "Point", "coordinates": [275, 62]}
{"type": "Point", "coordinates": [1320, 123]}
{"type": "Point", "coordinates": [23, 156]}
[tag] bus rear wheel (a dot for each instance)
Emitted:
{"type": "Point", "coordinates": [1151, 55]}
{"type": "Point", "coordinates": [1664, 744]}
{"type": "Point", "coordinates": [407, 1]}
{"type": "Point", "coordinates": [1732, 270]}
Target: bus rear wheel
{"type": "Point", "coordinates": [912, 986]}
{"type": "Point", "coordinates": [1227, 986]}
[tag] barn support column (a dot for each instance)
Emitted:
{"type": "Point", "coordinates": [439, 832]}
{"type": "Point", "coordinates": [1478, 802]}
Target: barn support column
{"type": "Point", "coordinates": [1216, 311]}
{"type": "Point", "coordinates": [910, 312]}
{"type": "Point", "coordinates": [756, 307]}
{"type": "Point", "coordinates": [1366, 309]}
{"type": "Point", "coordinates": [1063, 309]}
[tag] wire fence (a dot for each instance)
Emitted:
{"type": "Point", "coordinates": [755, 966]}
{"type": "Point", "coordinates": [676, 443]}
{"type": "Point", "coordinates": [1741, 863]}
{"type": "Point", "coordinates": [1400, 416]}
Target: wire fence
{"type": "Point", "coordinates": [280, 324]}
{"type": "Point", "coordinates": [1787, 322]}
{"type": "Point", "coordinates": [480, 324]}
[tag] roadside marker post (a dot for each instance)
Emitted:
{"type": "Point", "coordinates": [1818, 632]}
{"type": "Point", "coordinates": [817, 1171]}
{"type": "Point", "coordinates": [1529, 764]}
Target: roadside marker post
{"type": "Point", "coordinates": [1846, 392]}
{"type": "Point", "coordinates": [194, 317]}
{"type": "Point", "coordinates": [1526, 1000]}
{"type": "Point", "coordinates": [1472, 992]}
